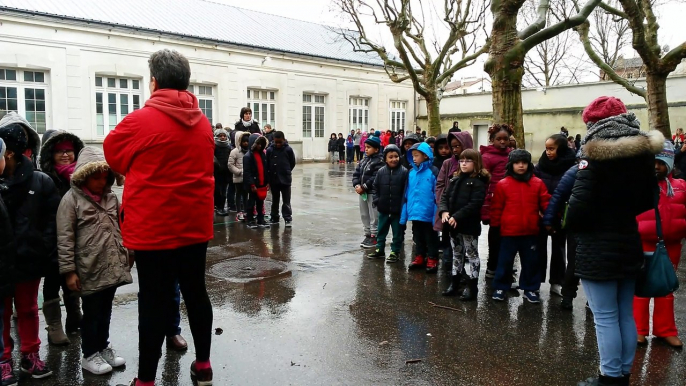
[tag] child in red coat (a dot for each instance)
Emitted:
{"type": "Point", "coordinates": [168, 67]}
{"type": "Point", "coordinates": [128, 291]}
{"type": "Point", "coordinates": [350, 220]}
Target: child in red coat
{"type": "Point", "coordinates": [672, 208]}
{"type": "Point", "coordinates": [518, 200]}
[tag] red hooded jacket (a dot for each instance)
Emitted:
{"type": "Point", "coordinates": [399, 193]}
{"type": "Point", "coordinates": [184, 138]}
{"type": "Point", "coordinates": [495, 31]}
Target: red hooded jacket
{"type": "Point", "coordinates": [673, 216]}
{"type": "Point", "coordinates": [495, 161]}
{"type": "Point", "coordinates": [166, 152]}
{"type": "Point", "coordinates": [517, 205]}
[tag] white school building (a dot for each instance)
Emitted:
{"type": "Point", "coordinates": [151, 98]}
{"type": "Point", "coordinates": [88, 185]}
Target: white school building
{"type": "Point", "coordinates": [81, 66]}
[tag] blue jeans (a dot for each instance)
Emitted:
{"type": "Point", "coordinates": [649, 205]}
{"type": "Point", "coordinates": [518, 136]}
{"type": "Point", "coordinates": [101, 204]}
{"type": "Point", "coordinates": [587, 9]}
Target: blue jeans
{"type": "Point", "coordinates": [612, 304]}
{"type": "Point", "coordinates": [530, 278]}
{"type": "Point", "coordinates": [175, 326]}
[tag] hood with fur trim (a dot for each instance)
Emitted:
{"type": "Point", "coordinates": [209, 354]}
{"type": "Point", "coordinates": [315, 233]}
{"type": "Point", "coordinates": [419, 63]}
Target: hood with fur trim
{"type": "Point", "coordinates": [256, 139]}
{"type": "Point", "coordinates": [50, 140]}
{"type": "Point", "coordinates": [91, 160]}
{"type": "Point", "coordinates": [603, 149]}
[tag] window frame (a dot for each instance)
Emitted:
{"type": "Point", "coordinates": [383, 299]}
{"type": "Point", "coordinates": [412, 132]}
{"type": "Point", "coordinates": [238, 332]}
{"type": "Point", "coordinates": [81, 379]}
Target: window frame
{"type": "Point", "coordinates": [358, 109]}
{"type": "Point", "coordinates": [313, 107]}
{"type": "Point", "coordinates": [397, 115]}
{"type": "Point", "coordinates": [101, 83]}
{"type": "Point", "coordinates": [204, 97]}
{"type": "Point", "coordinates": [22, 86]}
{"type": "Point", "coordinates": [257, 102]}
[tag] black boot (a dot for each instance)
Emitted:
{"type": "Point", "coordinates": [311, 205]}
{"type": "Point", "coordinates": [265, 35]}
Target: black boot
{"type": "Point", "coordinates": [626, 379]}
{"type": "Point", "coordinates": [604, 380]}
{"type": "Point", "coordinates": [454, 286]}
{"type": "Point", "coordinates": [470, 291]}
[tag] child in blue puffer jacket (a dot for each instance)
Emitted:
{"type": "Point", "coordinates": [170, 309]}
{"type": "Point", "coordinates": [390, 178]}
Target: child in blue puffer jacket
{"type": "Point", "coordinates": [420, 208]}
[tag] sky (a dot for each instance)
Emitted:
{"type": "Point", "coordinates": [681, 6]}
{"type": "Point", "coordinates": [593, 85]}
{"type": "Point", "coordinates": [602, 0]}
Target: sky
{"type": "Point", "coordinates": [670, 13]}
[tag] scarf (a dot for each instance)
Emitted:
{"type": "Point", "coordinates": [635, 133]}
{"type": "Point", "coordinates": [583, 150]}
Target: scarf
{"type": "Point", "coordinates": [624, 125]}
{"type": "Point", "coordinates": [260, 168]}
{"type": "Point", "coordinates": [559, 165]}
{"type": "Point", "coordinates": [246, 123]}
{"type": "Point", "coordinates": [95, 197]}
{"type": "Point", "coordinates": [65, 171]}
{"type": "Point", "coordinates": [220, 143]}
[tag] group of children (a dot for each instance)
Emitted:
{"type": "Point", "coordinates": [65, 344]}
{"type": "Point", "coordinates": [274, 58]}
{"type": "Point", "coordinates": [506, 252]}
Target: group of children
{"type": "Point", "coordinates": [247, 168]}
{"type": "Point", "coordinates": [64, 222]}
{"type": "Point", "coordinates": [447, 190]}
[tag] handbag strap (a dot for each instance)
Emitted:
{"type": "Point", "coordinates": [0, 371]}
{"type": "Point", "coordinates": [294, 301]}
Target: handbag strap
{"type": "Point", "coordinates": [658, 220]}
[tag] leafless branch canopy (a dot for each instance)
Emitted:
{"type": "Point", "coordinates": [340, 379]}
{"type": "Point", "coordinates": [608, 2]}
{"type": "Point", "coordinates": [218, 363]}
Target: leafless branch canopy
{"type": "Point", "coordinates": [429, 64]}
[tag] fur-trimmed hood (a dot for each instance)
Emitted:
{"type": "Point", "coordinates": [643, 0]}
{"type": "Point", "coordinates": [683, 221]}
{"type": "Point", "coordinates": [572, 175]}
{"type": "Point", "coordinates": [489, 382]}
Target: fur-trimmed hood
{"type": "Point", "coordinates": [603, 149]}
{"type": "Point", "coordinates": [256, 139]}
{"type": "Point", "coordinates": [50, 140]}
{"type": "Point", "coordinates": [91, 160]}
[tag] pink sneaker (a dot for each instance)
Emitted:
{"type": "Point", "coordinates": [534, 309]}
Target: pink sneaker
{"type": "Point", "coordinates": [33, 365]}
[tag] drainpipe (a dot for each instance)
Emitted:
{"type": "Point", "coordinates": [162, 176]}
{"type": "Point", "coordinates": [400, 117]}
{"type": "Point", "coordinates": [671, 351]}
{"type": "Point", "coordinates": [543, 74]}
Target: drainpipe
{"type": "Point", "coordinates": [415, 102]}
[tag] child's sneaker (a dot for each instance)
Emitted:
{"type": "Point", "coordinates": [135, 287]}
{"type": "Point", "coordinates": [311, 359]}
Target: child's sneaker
{"type": "Point", "coordinates": [95, 364]}
{"type": "Point", "coordinates": [201, 377]}
{"type": "Point", "coordinates": [289, 223]}
{"type": "Point", "coordinates": [365, 241]}
{"type": "Point", "coordinates": [532, 297]}
{"type": "Point", "coordinates": [253, 224]}
{"type": "Point", "coordinates": [377, 254]}
{"type": "Point", "coordinates": [263, 224]}
{"type": "Point", "coordinates": [369, 242]}
{"type": "Point", "coordinates": [431, 265]}
{"type": "Point", "coordinates": [417, 263]}
{"type": "Point", "coordinates": [240, 216]}
{"type": "Point", "coordinates": [274, 221]}
{"type": "Point", "coordinates": [499, 295]}
{"type": "Point", "coordinates": [32, 365]}
{"type": "Point", "coordinates": [110, 356]}
{"type": "Point", "coordinates": [392, 258]}
{"type": "Point", "coordinates": [6, 375]}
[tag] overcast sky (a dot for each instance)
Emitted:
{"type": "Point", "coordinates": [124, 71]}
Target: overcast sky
{"type": "Point", "coordinates": [672, 31]}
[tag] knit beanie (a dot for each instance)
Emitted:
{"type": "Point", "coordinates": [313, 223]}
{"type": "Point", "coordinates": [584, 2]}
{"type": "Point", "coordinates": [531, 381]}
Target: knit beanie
{"type": "Point", "coordinates": [14, 137]}
{"type": "Point", "coordinates": [64, 145]}
{"type": "Point", "coordinates": [390, 149]}
{"type": "Point", "coordinates": [221, 131]}
{"type": "Point", "coordinates": [603, 107]}
{"type": "Point", "coordinates": [377, 133]}
{"type": "Point", "coordinates": [667, 156]}
{"type": "Point", "coordinates": [373, 141]}
{"type": "Point", "coordinates": [518, 155]}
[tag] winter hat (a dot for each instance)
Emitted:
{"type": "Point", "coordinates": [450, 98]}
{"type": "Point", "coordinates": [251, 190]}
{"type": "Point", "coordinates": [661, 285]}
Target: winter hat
{"type": "Point", "coordinates": [390, 149]}
{"type": "Point", "coordinates": [431, 140]}
{"type": "Point", "coordinates": [667, 156]}
{"type": "Point", "coordinates": [373, 141]}
{"type": "Point", "coordinates": [518, 155]}
{"type": "Point", "coordinates": [377, 133]}
{"type": "Point", "coordinates": [2, 148]}
{"type": "Point", "coordinates": [221, 131]}
{"type": "Point", "coordinates": [603, 107]}
{"type": "Point", "coordinates": [64, 145]}
{"type": "Point", "coordinates": [14, 137]}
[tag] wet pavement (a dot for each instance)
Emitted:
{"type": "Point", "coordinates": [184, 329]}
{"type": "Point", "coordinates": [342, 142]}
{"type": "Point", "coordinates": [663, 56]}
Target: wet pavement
{"type": "Point", "coordinates": [304, 306]}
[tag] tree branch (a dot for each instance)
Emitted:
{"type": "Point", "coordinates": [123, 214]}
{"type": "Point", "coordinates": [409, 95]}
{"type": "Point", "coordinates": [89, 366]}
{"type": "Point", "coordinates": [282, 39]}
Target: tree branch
{"type": "Point", "coordinates": [463, 63]}
{"type": "Point", "coordinates": [540, 22]}
{"type": "Point", "coordinates": [560, 27]}
{"type": "Point", "coordinates": [674, 57]}
{"type": "Point", "coordinates": [583, 35]}
{"type": "Point", "coordinates": [610, 9]}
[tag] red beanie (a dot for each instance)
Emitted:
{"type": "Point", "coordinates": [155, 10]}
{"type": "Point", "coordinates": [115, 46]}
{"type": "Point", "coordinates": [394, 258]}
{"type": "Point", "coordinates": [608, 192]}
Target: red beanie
{"type": "Point", "coordinates": [64, 145]}
{"type": "Point", "coordinates": [603, 107]}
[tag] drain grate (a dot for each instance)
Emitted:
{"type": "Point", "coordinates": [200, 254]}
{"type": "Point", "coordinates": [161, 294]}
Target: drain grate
{"type": "Point", "coordinates": [248, 268]}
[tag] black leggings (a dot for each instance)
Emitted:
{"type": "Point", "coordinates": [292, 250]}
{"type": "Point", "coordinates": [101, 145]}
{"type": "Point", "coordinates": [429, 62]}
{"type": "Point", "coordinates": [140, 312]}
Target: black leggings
{"type": "Point", "coordinates": [241, 196]}
{"type": "Point", "coordinates": [158, 272]}
{"type": "Point", "coordinates": [52, 284]}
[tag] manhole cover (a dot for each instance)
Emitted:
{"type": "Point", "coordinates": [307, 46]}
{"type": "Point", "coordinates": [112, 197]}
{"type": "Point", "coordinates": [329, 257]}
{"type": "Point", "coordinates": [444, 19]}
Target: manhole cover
{"type": "Point", "coordinates": [247, 268]}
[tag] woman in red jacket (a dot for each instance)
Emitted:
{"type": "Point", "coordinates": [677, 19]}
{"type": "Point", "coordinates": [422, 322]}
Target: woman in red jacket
{"type": "Point", "coordinates": [517, 202]}
{"type": "Point", "coordinates": [495, 161]}
{"type": "Point", "coordinates": [672, 208]}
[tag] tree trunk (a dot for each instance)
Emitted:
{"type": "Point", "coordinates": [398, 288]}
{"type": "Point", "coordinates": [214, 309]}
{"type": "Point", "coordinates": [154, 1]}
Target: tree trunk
{"type": "Point", "coordinates": [433, 114]}
{"type": "Point", "coordinates": [505, 66]}
{"type": "Point", "coordinates": [658, 110]}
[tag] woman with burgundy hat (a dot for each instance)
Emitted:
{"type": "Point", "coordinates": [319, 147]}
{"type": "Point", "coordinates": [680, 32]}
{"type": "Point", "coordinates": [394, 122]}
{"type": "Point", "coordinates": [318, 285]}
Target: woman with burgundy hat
{"type": "Point", "coordinates": [615, 183]}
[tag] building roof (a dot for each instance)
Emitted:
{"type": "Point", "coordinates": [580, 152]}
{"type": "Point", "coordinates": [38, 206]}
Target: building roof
{"type": "Point", "coordinates": [622, 63]}
{"type": "Point", "coordinates": [203, 20]}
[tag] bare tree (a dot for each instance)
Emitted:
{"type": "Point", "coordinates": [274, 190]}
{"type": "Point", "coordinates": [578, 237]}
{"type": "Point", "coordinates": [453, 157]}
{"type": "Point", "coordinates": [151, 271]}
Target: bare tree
{"type": "Point", "coordinates": [552, 62]}
{"type": "Point", "coordinates": [509, 48]}
{"type": "Point", "coordinates": [609, 35]}
{"type": "Point", "coordinates": [658, 62]}
{"type": "Point", "coordinates": [428, 63]}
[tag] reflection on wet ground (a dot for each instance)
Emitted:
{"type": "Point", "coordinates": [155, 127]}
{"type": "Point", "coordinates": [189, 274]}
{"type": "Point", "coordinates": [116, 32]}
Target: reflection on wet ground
{"type": "Point", "coordinates": [331, 316]}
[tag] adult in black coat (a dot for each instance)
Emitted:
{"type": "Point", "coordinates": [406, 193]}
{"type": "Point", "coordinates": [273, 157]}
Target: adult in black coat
{"type": "Point", "coordinates": [8, 248]}
{"type": "Point", "coordinates": [455, 128]}
{"type": "Point", "coordinates": [255, 178]}
{"type": "Point", "coordinates": [340, 146]}
{"type": "Point", "coordinates": [222, 175]}
{"type": "Point", "coordinates": [615, 183]}
{"type": "Point", "coordinates": [280, 165]}
{"type": "Point", "coordinates": [245, 123]}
